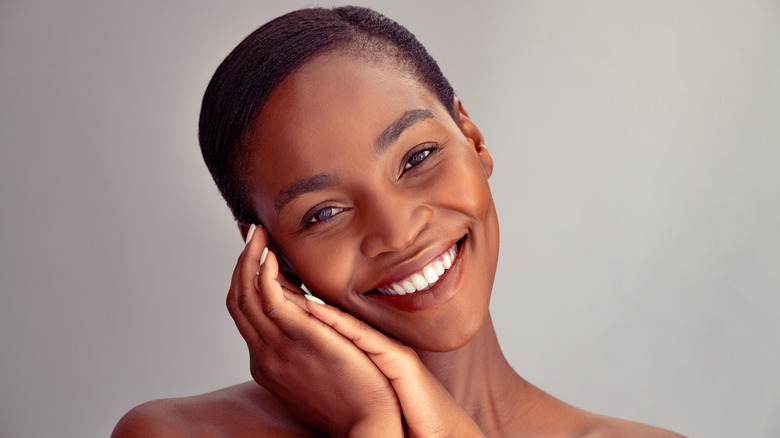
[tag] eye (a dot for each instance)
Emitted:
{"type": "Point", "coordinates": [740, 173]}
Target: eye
{"type": "Point", "coordinates": [418, 157]}
{"type": "Point", "coordinates": [324, 214]}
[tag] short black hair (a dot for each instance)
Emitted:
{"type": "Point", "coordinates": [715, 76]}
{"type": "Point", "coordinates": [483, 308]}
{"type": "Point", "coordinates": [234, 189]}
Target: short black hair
{"type": "Point", "coordinates": [243, 83]}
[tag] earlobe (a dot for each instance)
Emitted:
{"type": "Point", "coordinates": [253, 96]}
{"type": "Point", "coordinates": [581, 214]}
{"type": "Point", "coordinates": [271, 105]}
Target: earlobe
{"type": "Point", "coordinates": [486, 159]}
{"type": "Point", "coordinates": [473, 133]}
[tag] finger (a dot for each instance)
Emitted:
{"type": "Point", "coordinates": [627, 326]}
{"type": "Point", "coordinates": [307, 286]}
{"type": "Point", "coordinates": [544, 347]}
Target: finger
{"type": "Point", "coordinates": [251, 252]}
{"type": "Point", "coordinates": [296, 298]}
{"type": "Point", "coordinates": [239, 301]}
{"type": "Point", "coordinates": [248, 331]}
{"type": "Point", "coordinates": [248, 299]}
{"type": "Point", "coordinates": [389, 355]}
{"type": "Point", "coordinates": [416, 388]}
{"type": "Point", "coordinates": [284, 307]}
{"type": "Point", "coordinates": [270, 303]}
{"type": "Point", "coordinates": [292, 291]}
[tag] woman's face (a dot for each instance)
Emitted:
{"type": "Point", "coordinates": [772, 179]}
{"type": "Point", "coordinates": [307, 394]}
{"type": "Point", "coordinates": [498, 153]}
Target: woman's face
{"type": "Point", "coordinates": [368, 188]}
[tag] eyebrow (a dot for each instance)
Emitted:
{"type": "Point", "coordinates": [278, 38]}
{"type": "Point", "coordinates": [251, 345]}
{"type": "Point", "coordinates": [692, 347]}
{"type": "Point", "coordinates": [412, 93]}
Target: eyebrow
{"type": "Point", "coordinates": [306, 185]}
{"type": "Point", "coordinates": [406, 121]}
{"type": "Point", "coordinates": [325, 180]}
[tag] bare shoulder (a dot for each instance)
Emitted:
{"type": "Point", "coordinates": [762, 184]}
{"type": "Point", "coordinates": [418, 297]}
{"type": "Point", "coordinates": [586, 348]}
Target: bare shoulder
{"type": "Point", "coordinates": [608, 427]}
{"type": "Point", "coordinates": [241, 410]}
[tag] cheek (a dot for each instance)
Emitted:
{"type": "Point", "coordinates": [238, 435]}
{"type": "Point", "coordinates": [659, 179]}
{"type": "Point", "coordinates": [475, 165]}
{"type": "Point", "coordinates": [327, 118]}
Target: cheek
{"type": "Point", "coordinates": [326, 267]}
{"type": "Point", "coordinates": [463, 187]}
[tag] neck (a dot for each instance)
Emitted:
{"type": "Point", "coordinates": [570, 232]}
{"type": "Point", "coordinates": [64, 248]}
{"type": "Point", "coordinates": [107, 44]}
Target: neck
{"type": "Point", "coordinates": [481, 380]}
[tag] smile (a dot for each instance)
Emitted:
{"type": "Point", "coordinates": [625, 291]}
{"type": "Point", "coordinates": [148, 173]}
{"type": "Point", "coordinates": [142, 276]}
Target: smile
{"type": "Point", "coordinates": [423, 279]}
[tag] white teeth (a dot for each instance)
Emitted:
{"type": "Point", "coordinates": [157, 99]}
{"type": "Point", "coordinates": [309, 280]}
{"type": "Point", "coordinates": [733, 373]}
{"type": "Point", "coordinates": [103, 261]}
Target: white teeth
{"type": "Point", "coordinates": [418, 281]}
{"type": "Point", "coordinates": [423, 279]}
{"type": "Point", "coordinates": [447, 261]}
{"type": "Point", "coordinates": [430, 274]}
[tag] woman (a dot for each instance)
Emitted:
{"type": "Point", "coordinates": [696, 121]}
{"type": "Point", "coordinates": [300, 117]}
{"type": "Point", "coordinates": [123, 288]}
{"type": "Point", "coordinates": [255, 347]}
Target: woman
{"type": "Point", "coordinates": [337, 132]}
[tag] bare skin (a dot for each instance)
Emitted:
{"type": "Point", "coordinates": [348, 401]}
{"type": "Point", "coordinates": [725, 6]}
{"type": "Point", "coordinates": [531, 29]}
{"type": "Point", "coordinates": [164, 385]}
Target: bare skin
{"type": "Point", "coordinates": [363, 179]}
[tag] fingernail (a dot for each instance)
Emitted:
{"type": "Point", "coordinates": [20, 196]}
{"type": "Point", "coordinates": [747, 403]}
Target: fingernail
{"type": "Point", "coordinates": [314, 299]}
{"type": "Point", "coordinates": [263, 255]}
{"type": "Point", "coordinates": [250, 233]}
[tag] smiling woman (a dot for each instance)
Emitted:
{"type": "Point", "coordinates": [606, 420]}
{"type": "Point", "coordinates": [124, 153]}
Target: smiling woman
{"type": "Point", "coordinates": [352, 169]}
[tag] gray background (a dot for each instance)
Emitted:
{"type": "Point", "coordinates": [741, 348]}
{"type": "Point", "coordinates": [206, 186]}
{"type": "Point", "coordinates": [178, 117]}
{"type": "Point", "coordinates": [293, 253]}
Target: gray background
{"type": "Point", "coordinates": [637, 181]}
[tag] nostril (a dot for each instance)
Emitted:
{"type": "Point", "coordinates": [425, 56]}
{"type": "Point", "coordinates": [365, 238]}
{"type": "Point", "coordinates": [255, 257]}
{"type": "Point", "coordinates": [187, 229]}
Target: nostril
{"type": "Point", "coordinates": [394, 231]}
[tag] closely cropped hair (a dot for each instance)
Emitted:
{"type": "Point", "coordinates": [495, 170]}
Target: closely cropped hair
{"type": "Point", "coordinates": [244, 81]}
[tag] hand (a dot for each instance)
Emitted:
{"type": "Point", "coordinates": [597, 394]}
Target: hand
{"type": "Point", "coordinates": [318, 374]}
{"type": "Point", "coordinates": [428, 409]}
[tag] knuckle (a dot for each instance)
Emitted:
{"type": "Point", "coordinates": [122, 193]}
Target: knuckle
{"type": "Point", "coordinates": [272, 312]}
{"type": "Point", "coordinates": [243, 305]}
{"type": "Point", "coordinates": [232, 305]}
{"type": "Point", "coordinates": [230, 302]}
{"type": "Point", "coordinates": [269, 372]}
{"type": "Point", "coordinates": [407, 354]}
{"type": "Point", "coordinates": [258, 375]}
{"type": "Point", "coordinates": [362, 326]}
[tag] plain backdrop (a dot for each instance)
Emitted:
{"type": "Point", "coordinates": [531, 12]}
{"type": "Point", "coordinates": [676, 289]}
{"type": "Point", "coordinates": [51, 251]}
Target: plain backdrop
{"type": "Point", "coordinates": [637, 179]}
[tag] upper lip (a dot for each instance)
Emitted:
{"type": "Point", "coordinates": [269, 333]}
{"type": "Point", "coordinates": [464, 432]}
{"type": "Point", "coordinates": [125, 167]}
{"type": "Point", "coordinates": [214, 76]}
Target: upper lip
{"type": "Point", "coordinates": [414, 263]}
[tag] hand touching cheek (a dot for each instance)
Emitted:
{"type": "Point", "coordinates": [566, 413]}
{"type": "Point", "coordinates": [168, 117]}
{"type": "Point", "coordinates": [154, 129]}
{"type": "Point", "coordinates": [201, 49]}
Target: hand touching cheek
{"type": "Point", "coordinates": [317, 373]}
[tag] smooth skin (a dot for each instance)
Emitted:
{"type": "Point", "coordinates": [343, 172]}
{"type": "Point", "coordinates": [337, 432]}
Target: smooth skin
{"type": "Point", "coordinates": [360, 178]}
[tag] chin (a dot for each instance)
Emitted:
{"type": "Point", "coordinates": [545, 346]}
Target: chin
{"type": "Point", "coordinates": [451, 335]}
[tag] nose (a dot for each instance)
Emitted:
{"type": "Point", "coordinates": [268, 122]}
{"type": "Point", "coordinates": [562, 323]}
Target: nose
{"type": "Point", "coordinates": [392, 222]}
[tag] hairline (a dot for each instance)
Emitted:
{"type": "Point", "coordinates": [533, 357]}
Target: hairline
{"type": "Point", "coordinates": [397, 59]}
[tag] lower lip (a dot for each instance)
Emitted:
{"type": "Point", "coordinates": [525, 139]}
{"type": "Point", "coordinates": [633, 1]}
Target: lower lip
{"type": "Point", "coordinates": [442, 291]}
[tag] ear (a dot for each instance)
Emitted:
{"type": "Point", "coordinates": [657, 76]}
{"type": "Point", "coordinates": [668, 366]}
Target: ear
{"type": "Point", "coordinates": [471, 132]}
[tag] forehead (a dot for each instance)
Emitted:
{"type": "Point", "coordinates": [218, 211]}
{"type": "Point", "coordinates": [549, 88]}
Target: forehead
{"type": "Point", "coordinates": [337, 94]}
{"type": "Point", "coordinates": [335, 105]}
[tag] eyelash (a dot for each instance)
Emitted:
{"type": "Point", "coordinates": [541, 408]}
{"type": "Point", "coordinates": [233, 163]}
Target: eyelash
{"type": "Point", "coordinates": [313, 218]}
{"type": "Point", "coordinates": [426, 152]}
